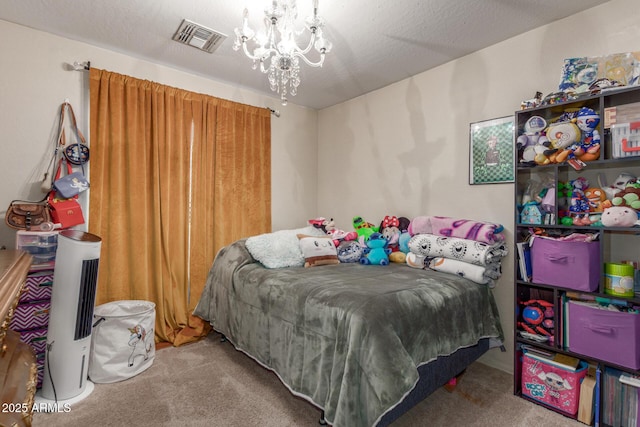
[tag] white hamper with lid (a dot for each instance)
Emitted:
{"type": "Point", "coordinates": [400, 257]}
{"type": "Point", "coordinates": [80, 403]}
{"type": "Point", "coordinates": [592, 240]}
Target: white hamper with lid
{"type": "Point", "coordinates": [123, 342]}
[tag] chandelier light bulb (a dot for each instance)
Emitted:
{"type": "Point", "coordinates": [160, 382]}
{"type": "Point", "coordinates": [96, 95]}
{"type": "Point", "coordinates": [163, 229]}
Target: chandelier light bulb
{"type": "Point", "coordinates": [278, 45]}
{"type": "Point", "coordinates": [246, 32]}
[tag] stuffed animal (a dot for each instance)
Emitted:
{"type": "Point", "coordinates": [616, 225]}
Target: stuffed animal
{"type": "Point", "coordinates": [377, 252]}
{"type": "Point", "coordinates": [329, 227]}
{"type": "Point", "coordinates": [579, 207]}
{"type": "Point", "coordinates": [561, 136]}
{"type": "Point", "coordinates": [596, 197]}
{"type": "Point", "coordinates": [619, 183]}
{"type": "Point", "coordinates": [630, 197]}
{"type": "Point", "coordinates": [403, 242]}
{"type": "Point", "coordinates": [350, 251]}
{"type": "Point", "coordinates": [619, 216]}
{"type": "Point", "coordinates": [528, 141]}
{"type": "Point", "coordinates": [588, 149]}
{"type": "Point", "coordinates": [364, 229]}
{"type": "Point", "coordinates": [391, 229]}
{"type": "Point", "coordinates": [339, 235]}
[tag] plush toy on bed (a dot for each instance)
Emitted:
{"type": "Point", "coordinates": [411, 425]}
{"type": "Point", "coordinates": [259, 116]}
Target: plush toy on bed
{"type": "Point", "coordinates": [391, 229]}
{"type": "Point", "coordinates": [377, 252]}
{"type": "Point", "coordinates": [318, 250]}
{"type": "Point", "coordinates": [350, 251]}
{"type": "Point", "coordinates": [364, 229]}
{"type": "Point", "coordinates": [329, 227]}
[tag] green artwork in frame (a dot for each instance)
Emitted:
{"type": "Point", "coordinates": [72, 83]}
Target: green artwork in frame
{"type": "Point", "coordinates": [491, 151]}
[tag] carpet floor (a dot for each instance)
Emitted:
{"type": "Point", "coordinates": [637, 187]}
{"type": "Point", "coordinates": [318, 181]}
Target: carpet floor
{"type": "Point", "coordinates": [209, 383]}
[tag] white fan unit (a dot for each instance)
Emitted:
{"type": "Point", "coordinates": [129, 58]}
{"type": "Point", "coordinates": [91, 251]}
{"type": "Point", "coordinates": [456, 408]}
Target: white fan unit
{"type": "Point", "coordinates": [73, 297]}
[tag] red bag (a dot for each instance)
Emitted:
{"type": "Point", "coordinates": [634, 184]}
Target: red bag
{"type": "Point", "coordinates": [66, 212]}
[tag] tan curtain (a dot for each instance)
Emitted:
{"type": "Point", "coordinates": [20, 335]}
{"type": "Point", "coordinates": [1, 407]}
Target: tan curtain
{"type": "Point", "coordinates": [163, 196]}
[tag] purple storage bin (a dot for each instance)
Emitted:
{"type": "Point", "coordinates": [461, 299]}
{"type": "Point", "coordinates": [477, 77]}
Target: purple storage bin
{"type": "Point", "coordinates": [569, 264]}
{"type": "Point", "coordinates": [31, 315]}
{"type": "Point", "coordinates": [37, 286]}
{"type": "Point", "coordinates": [606, 335]}
{"type": "Point", "coordinates": [36, 338]}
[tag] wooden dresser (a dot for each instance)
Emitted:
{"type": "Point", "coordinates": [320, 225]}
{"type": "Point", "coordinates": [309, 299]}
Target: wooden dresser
{"type": "Point", "coordinates": [18, 369]}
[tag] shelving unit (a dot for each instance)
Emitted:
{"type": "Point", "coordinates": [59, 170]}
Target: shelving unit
{"type": "Point", "coordinates": [616, 244]}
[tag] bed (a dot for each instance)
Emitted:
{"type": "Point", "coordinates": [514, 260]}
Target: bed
{"type": "Point", "coordinates": [363, 343]}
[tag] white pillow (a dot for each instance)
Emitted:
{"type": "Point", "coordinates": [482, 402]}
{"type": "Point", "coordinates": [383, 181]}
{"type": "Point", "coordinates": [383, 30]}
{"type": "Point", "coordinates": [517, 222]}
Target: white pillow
{"type": "Point", "coordinates": [280, 248]}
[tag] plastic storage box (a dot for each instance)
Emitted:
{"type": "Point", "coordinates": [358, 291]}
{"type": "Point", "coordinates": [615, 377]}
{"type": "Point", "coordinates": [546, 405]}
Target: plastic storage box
{"type": "Point", "coordinates": [569, 264]}
{"type": "Point", "coordinates": [625, 140]}
{"type": "Point", "coordinates": [606, 335]}
{"type": "Point", "coordinates": [42, 245]}
{"type": "Point", "coordinates": [552, 384]}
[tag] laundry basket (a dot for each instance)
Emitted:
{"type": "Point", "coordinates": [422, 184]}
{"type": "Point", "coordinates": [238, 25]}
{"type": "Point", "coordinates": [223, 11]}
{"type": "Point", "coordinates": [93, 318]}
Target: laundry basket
{"type": "Point", "coordinates": [123, 343]}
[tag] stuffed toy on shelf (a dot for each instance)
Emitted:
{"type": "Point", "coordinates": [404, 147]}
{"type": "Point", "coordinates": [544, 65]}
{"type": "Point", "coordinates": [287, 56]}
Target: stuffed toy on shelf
{"type": "Point", "coordinates": [619, 216]}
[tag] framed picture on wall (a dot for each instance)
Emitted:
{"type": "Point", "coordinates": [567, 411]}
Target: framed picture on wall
{"type": "Point", "coordinates": [491, 151]}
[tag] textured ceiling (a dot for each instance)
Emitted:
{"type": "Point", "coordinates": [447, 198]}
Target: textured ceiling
{"type": "Point", "coordinates": [375, 42]}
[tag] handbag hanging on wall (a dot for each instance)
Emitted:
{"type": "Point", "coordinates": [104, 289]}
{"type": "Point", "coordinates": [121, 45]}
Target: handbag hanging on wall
{"type": "Point", "coordinates": [65, 211]}
{"type": "Point", "coordinates": [72, 184]}
{"type": "Point", "coordinates": [23, 215]}
{"type": "Point", "coordinates": [77, 153]}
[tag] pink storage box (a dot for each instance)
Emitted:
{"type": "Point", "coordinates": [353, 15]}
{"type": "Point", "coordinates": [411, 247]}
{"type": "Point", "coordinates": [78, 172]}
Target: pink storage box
{"type": "Point", "coordinates": [32, 315]}
{"type": "Point", "coordinates": [572, 265]}
{"type": "Point", "coordinates": [606, 335]}
{"type": "Point", "coordinates": [37, 286]}
{"type": "Point", "coordinates": [552, 385]}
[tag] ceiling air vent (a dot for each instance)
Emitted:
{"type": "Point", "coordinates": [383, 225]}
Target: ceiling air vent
{"type": "Point", "coordinates": [198, 36]}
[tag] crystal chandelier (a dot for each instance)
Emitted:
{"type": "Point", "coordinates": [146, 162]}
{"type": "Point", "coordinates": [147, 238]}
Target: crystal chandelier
{"type": "Point", "coordinates": [278, 46]}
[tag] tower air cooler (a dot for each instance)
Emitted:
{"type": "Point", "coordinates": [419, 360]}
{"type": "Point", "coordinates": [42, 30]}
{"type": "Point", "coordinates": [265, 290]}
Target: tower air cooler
{"type": "Point", "coordinates": [73, 297]}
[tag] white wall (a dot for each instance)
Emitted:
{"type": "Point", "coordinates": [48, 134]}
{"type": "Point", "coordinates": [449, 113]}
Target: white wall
{"type": "Point", "coordinates": [404, 149]}
{"type": "Point", "coordinates": [36, 80]}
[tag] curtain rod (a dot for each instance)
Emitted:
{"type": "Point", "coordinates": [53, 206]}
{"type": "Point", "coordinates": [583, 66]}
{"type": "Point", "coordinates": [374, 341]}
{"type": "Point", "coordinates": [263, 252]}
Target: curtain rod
{"type": "Point", "coordinates": [274, 112]}
{"type": "Point", "coordinates": [82, 66]}
{"type": "Point", "coordinates": [86, 66]}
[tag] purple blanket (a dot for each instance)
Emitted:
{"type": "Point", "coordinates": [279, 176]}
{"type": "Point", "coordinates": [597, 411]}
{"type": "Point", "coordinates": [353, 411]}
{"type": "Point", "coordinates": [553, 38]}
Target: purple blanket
{"type": "Point", "coordinates": [485, 232]}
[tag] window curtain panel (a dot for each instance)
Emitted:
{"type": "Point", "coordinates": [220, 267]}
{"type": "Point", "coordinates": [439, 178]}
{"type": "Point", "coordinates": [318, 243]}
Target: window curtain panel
{"type": "Point", "coordinates": [175, 175]}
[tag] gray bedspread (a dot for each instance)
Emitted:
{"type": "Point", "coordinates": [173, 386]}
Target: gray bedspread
{"type": "Point", "coordinates": [349, 337]}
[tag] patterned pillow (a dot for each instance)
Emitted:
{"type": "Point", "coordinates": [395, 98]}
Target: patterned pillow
{"type": "Point", "coordinates": [318, 250]}
{"type": "Point", "coordinates": [280, 248]}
